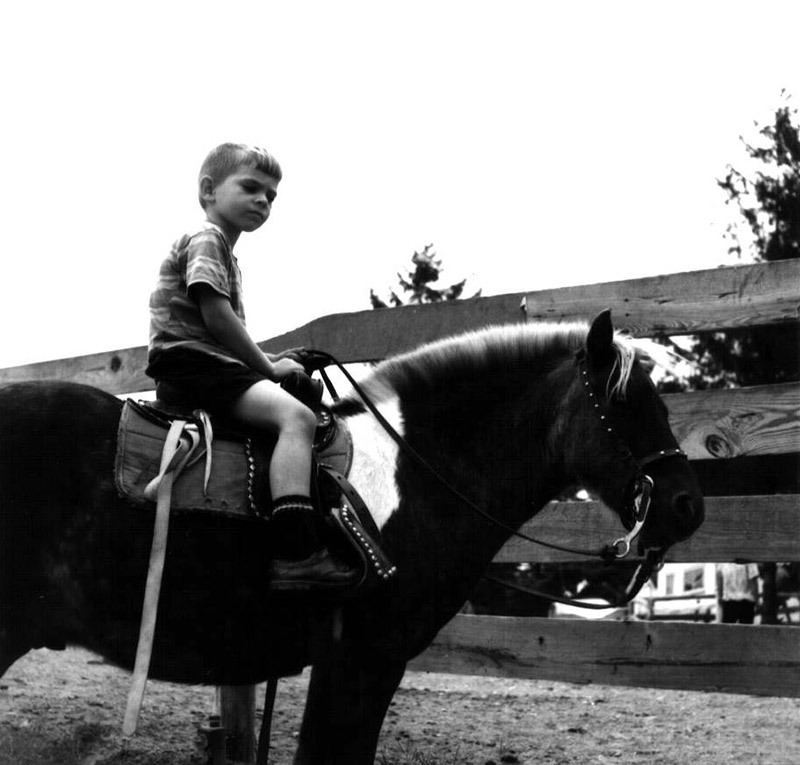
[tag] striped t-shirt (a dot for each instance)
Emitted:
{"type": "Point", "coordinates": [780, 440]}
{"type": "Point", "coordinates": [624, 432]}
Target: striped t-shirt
{"type": "Point", "coordinates": [204, 257]}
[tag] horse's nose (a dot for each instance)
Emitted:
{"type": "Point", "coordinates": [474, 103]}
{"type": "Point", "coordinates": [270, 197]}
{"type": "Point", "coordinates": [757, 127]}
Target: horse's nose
{"type": "Point", "coordinates": [689, 513]}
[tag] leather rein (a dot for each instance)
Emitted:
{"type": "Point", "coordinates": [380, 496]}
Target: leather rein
{"type": "Point", "coordinates": [639, 501]}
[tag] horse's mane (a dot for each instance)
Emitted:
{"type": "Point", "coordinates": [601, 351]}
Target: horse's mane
{"type": "Point", "coordinates": [484, 352]}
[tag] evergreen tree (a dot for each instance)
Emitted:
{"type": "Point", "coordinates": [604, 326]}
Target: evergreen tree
{"type": "Point", "coordinates": [768, 200]}
{"type": "Point", "coordinates": [426, 270]}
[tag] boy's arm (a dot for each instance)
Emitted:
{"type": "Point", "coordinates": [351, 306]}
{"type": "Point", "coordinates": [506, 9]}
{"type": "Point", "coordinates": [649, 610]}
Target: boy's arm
{"type": "Point", "coordinates": [227, 329]}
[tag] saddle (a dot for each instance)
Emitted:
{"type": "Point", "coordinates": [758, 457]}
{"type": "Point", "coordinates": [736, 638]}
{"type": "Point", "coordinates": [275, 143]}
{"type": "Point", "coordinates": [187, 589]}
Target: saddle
{"type": "Point", "coordinates": [217, 469]}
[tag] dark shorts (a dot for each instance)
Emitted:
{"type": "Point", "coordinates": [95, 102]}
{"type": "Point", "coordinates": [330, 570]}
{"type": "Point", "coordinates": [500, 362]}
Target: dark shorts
{"type": "Point", "coordinates": [192, 378]}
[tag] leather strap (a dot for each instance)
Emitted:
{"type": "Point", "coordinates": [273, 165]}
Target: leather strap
{"type": "Point", "coordinates": [144, 650]}
{"type": "Point", "coordinates": [264, 735]}
{"type": "Point", "coordinates": [358, 525]}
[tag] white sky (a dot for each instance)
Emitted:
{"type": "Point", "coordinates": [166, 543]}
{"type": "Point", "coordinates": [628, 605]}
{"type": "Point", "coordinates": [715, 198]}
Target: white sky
{"type": "Point", "coordinates": [535, 144]}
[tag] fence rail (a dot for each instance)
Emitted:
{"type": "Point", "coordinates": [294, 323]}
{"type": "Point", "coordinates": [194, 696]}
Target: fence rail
{"type": "Point", "coordinates": [734, 428]}
{"type": "Point", "coordinates": [755, 528]}
{"type": "Point", "coordinates": [696, 301]}
{"type": "Point", "coordinates": [729, 658]}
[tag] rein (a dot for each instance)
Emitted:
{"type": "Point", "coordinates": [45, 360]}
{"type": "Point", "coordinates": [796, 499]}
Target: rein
{"type": "Point", "coordinates": [642, 487]}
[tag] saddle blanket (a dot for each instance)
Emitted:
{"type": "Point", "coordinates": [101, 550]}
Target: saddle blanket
{"type": "Point", "coordinates": [237, 484]}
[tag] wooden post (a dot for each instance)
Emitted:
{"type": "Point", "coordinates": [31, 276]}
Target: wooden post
{"type": "Point", "coordinates": [769, 594]}
{"type": "Point", "coordinates": [237, 704]}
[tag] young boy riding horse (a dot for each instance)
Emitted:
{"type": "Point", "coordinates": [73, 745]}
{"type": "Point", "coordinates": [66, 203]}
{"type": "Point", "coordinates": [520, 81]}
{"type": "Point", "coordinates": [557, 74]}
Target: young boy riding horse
{"type": "Point", "coordinates": [201, 353]}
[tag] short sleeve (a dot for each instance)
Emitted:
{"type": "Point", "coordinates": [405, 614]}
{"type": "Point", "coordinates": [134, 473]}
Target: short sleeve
{"type": "Point", "coordinates": [208, 262]}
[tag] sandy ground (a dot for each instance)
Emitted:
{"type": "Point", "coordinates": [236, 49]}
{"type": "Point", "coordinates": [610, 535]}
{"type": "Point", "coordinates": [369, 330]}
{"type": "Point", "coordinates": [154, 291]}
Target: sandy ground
{"type": "Point", "coordinates": [52, 701]}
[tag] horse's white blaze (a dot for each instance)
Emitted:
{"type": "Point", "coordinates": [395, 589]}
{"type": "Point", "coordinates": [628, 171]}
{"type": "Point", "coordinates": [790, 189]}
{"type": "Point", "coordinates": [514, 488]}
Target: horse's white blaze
{"type": "Point", "coordinates": [373, 474]}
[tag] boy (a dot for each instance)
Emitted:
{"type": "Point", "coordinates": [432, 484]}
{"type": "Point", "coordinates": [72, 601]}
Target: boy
{"type": "Point", "coordinates": [200, 353]}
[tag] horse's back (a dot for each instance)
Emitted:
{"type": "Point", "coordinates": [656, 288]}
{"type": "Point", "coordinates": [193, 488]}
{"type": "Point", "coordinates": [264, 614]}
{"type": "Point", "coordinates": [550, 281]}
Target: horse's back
{"type": "Point", "coordinates": [36, 399]}
{"type": "Point", "coordinates": [55, 439]}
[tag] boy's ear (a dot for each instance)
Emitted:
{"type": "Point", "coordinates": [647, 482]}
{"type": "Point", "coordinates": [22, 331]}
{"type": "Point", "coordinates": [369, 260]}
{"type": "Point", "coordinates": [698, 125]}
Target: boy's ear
{"type": "Point", "coordinates": [207, 188]}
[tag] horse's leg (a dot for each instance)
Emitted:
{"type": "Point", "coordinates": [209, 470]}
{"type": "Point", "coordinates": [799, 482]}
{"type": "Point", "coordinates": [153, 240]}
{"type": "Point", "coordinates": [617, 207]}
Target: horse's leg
{"type": "Point", "coordinates": [348, 696]}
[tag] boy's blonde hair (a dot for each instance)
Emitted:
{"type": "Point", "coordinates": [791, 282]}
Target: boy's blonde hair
{"type": "Point", "coordinates": [227, 158]}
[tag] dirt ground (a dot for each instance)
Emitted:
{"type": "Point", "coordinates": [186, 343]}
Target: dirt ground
{"type": "Point", "coordinates": [73, 702]}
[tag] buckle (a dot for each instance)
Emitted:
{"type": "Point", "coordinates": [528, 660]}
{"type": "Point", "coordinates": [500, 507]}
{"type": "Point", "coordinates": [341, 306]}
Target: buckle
{"type": "Point", "coordinates": [620, 548]}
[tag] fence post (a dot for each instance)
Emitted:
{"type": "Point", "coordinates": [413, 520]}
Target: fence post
{"type": "Point", "coordinates": [769, 594]}
{"type": "Point", "coordinates": [237, 705]}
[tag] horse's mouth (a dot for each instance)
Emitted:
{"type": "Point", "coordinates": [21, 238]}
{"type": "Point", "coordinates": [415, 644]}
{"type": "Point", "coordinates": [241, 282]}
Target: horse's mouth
{"type": "Point", "coordinates": [678, 526]}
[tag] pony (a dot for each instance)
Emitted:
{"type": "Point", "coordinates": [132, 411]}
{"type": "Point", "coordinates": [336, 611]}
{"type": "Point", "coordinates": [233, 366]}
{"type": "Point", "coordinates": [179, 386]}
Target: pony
{"type": "Point", "coordinates": [501, 420]}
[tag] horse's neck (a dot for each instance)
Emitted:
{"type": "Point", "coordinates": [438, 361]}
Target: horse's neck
{"type": "Point", "coordinates": [503, 464]}
{"type": "Point", "coordinates": [375, 453]}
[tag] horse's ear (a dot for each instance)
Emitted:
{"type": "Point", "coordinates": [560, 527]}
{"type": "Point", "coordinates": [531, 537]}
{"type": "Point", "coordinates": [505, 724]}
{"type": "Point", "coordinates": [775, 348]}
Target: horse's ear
{"type": "Point", "coordinates": [600, 341]}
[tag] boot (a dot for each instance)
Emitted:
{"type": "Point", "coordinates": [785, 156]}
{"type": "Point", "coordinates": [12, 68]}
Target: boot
{"type": "Point", "coordinates": [320, 572]}
{"type": "Point", "coordinates": [302, 562]}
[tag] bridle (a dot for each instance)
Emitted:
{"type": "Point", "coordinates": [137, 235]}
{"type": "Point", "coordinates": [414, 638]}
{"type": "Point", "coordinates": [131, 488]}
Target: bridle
{"type": "Point", "coordinates": [641, 489]}
{"type": "Point", "coordinates": [641, 484]}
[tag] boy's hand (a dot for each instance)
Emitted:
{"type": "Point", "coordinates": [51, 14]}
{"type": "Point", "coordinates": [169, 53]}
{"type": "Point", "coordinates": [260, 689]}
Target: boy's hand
{"type": "Point", "coordinates": [296, 354]}
{"type": "Point", "coordinates": [282, 368]}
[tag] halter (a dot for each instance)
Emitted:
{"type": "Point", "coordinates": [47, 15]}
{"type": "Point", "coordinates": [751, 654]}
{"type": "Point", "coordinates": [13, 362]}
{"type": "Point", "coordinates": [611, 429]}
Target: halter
{"type": "Point", "coordinates": [642, 485]}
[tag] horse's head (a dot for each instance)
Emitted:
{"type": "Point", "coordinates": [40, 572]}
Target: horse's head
{"type": "Point", "coordinates": [619, 443]}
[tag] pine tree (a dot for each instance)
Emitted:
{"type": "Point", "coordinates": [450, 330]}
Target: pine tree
{"type": "Point", "coordinates": [768, 201]}
{"type": "Point", "coordinates": [427, 269]}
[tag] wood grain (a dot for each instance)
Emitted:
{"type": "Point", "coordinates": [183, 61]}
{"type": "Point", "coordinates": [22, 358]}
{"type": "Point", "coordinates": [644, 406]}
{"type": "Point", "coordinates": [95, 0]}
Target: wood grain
{"type": "Point", "coordinates": [723, 658]}
{"type": "Point", "coordinates": [684, 303]}
{"type": "Point", "coordinates": [737, 422]}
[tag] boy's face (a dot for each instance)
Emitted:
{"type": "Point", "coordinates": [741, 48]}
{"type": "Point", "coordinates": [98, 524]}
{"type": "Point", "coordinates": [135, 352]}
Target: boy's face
{"type": "Point", "coordinates": [242, 202]}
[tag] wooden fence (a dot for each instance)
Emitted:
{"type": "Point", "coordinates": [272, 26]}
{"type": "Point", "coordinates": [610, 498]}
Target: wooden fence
{"type": "Point", "coordinates": [751, 432]}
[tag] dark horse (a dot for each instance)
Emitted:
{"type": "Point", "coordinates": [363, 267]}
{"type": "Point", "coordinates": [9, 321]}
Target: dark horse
{"type": "Point", "coordinates": [504, 415]}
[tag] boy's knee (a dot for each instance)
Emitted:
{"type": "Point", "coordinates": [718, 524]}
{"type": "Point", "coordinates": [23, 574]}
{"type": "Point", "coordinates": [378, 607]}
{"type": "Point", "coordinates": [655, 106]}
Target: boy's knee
{"type": "Point", "coordinates": [300, 418]}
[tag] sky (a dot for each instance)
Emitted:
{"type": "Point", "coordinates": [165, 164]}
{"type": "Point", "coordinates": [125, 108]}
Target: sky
{"type": "Point", "coordinates": [533, 144]}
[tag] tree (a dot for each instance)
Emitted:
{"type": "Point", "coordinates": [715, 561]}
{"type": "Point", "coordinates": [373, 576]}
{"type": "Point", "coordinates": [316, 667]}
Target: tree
{"type": "Point", "coordinates": [426, 270]}
{"type": "Point", "coordinates": [768, 201]}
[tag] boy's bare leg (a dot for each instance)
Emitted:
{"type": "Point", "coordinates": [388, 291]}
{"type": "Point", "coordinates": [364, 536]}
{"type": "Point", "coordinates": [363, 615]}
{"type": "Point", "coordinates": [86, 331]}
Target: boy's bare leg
{"type": "Point", "coordinates": [266, 406]}
{"type": "Point", "coordinates": [295, 524]}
